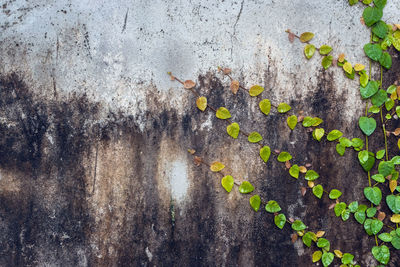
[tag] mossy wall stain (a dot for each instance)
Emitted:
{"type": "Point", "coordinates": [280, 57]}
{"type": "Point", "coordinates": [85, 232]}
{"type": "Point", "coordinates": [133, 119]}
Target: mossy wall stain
{"type": "Point", "coordinates": [76, 189]}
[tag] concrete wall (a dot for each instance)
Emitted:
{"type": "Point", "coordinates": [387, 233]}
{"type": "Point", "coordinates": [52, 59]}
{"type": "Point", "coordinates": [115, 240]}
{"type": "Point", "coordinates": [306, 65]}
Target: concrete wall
{"type": "Point", "coordinates": [94, 169]}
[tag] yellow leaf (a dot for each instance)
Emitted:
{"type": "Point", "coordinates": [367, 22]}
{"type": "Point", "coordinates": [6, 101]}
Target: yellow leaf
{"type": "Point", "coordinates": [255, 90]}
{"type": "Point", "coordinates": [395, 218]}
{"type": "Point", "coordinates": [191, 151]}
{"type": "Point", "coordinates": [393, 96]}
{"type": "Point", "coordinates": [217, 166]}
{"type": "Point", "coordinates": [306, 36]}
{"type": "Point", "coordinates": [234, 86]}
{"type": "Point", "coordinates": [347, 67]}
{"type": "Point", "coordinates": [397, 26]}
{"type": "Point", "coordinates": [320, 233]}
{"type": "Point", "coordinates": [302, 169]}
{"type": "Point", "coordinates": [341, 58]}
{"type": "Point", "coordinates": [310, 184]}
{"type": "Point", "coordinates": [398, 143]}
{"type": "Point", "coordinates": [201, 103]}
{"type": "Point", "coordinates": [359, 67]}
{"type": "Point", "coordinates": [189, 84]}
{"type": "Point", "coordinates": [392, 185]}
{"type": "Point", "coordinates": [338, 253]}
{"type": "Point", "coordinates": [316, 256]}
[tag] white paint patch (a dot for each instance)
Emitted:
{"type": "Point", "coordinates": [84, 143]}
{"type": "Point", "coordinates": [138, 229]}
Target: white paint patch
{"type": "Point", "coordinates": [148, 253]}
{"type": "Point", "coordinates": [298, 245]}
{"type": "Point", "coordinates": [178, 178]}
{"type": "Point", "coordinates": [207, 124]}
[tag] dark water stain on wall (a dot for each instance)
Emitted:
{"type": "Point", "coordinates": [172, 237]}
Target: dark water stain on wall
{"type": "Point", "coordinates": [79, 190]}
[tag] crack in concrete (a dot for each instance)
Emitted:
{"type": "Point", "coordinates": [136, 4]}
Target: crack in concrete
{"type": "Point", "coordinates": [234, 26]}
{"type": "Point", "coordinates": [125, 20]}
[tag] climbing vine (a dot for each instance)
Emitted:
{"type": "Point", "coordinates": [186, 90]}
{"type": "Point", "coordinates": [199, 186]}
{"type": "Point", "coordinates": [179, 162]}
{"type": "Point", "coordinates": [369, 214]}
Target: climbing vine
{"type": "Point", "coordinates": [380, 105]}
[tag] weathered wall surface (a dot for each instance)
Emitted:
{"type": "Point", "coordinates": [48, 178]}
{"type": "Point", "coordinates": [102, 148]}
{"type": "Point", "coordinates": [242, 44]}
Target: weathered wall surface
{"type": "Point", "coordinates": [94, 169]}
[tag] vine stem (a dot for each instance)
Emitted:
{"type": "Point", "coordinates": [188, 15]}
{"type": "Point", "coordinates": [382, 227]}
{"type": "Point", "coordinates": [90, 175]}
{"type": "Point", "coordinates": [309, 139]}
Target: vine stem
{"type": "Point", "coordinates": [384, 135]}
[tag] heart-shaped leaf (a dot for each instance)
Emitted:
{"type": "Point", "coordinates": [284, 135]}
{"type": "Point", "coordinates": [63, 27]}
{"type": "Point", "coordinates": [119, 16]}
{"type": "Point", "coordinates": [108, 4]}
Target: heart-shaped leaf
{"type": "Point", "coordinates": [373, 194]}
{"type": "Point", "coordinates": [318, 190]}
{"type": "Point", "coordinates": [265, 106]}
{"type": "Point", "coordinates": [381, 254]}
{"type": "Point", "coordinates": [294, 171]}
{"type": "Point", "coordinates": [369, 90]}
{"type": "Point", "coordinates": [255, 202]}
{"type": "Point", "coordinates": [393, 203]}
{"type": "Point", "coordinates": [233, 130]}
{"type": "Point", "coordinates": [255, 90]}
{"type": "Point", "coordinates": [223, 113]}
{"type": "Point", "coordinates": [280, 220]}
{"type": "Point", "coordinates": [272, 206]}
{"type": "Point", "coordinates": [246, 187]}
{"type": "Point", "coordinates": [265, 153]}
{"type": "Point", "coordinates": [227, 183]}
{"type": "Point", "coordinates": [367, 125]}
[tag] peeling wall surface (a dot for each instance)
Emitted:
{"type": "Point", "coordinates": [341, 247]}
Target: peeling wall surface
{"type": "Point", "coordinates": [94, 169]}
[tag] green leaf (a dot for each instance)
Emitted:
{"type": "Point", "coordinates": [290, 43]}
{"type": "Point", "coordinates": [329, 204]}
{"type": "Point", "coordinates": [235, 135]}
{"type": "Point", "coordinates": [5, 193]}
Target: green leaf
{"type": "Point", "coordinates": [367, 2]}
{"type": "Point", "coordinates": [294, 171]}
{"type": "Point", "coordinates": [371, 212]}
{"type": "Point", "coordinates": [353, 206]}
{"type": "Point", "coordinates": [367, 226]}
{"type": "Point", "coordinates": [345, 214]}
{"type": "Point", "coordinates": [325, 49]}
{"type": "Point", "coordinates": [323, 243]}
{"type": "Point", "coordinates": [379, 178]}
{"type": "Point", "coordinates": [385, 168]}
{"type": "Point", "coordinates": [380, 29]}
{"type": "Point", "coordinates": [255, 90]}
{"type": "Point", "coordinates": [345, 142]}
{"type": "Point", "coordinates": [357, 143]}
{"type": "Point", "coordinates": [272, 206]}
{"type": "Point", "coordinates": [364, 79]}
{"type": "Point", "coordinates": [227, 183]}
{"type": "Point", "coordinates": [347, 258]}
{"type": "Point", "coordinates": [317, 255]}
{"type": "Point", "coordinates": [371, 15]}
{"type": "Point", "coordinates": [339, 208]}
{"type": "Point", "coordinates": [280, 220]}
{"type": "Point", "coordinates": [398, 111]}
{"type": "Point", "coordinates": [395, 160]}
{"type": "Point", "coordinates": [246, 187]}
{"type": "Point", "coordinates": [254, 137]}
{"type": "Point", "coordinates": [391, 89]}
{"type": "Point", "coordinates": [265, 106]}
{"type": "Point", "coordinates": [223, 113]}
{"type": "Point", "coordinates": [318, 133]}
{"type": "Point", "coordinates": [298, 225]}
{"type": "Point", "coordinates": [255, 202]}
{"type": "Point", "coordinates": [333, 135]}
{"type": "Point", "coordinates": [367, 125]}
{"type": "Point", "coordinates": [373, 194]}
{"type": "Point", "coordinates": [283, 108]}
{"type": "Point", "coordinates": [308, 238]}
{"type": "Point", "coordinates": [318, 190]}
{"type": "Point", "coordinates": [396, 40]}
{"type": "Point", "coordinates": [374, 109]}
{"type": "Point", "coordinates": [379, 98]}
{"type": "Point", "coordinates": [393, 203]}
{"type": "Point", "coordinates": [380, 3]}
{"type": "Point", "coordinates": [385, 237]}
{"type": "Point", "coordinates": [317, 121]}
{"type": "Point", "coordinates": [306, 36]}
{"type": "Point", "coordinates": [380, 154]}
{"type": "Point", "coordinates": [386, 60]}
{"type": "Point", "coordinates": [363, 156]}
{"type": "Point", "coordinates": [373, 51]}
{"type": "Point", "coordinates": [381, 254]}
{"type": "Point", "coordinates": [389, 103]}
{"type": "Point", "coordinates": [309, 51]}
{"type": "Point", "coordinates": [292, 121]}
{"type": "Point", "coordinates": [367, 166]}
{"type": "Point", "coordinates": [311, 175]}
{"type": "Point", "coordinates": [360, 216]}
{"type": "Point", "coordinates": [308, 122]}
{"type": "Point", "coordinates": [265, 153]}
{"type": "Point", "coordinates": [233, 130]}
{"type": "Point", "coordinates": [334, 194]}
{"type": "Point", "coordinates": [284, 156]}
{"type": "Point", "coordinates": [327, 61]}
{"type": "Point", "coordinates": [362, 208]}
{"type": "Point", "coordinates": [353, 2]}
{"type": "Point", "coordinates": [340, 149]}
{"type": "Point", "coordinates": [396, 242]}
{"type": "Point", "coordinates": [327, 258]}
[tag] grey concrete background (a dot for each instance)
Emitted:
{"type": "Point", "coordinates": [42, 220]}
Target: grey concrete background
{"type": "Point", "coordinates": [93, 167]}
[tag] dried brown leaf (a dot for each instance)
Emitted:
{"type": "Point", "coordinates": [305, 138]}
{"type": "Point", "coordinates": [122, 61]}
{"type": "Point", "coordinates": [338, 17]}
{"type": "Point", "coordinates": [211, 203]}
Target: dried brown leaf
{"type": "Point", "coordinates": [277, 151]}
{"type": "Point", "coordinates": [234, 86]}
{"type": "Point", "coordinates": [320, 233]}
{"type": "Point", "coordinates": [197, 160]}
{"type": "Point", "coordinates": [191, 151]}
{"type": "Point", "coordinates": [341, 57]}
{"type": "Point", "coordinates": [226, 71]}
{"type": "Point", "coordinates": [294, 237]}
{"type": "Point", "coordinates": [300, 118]}
{"type": "Point", "coordinates": [291, 37]}
{"type": "Point", "coordinates": [381, 215]}
{"type": "Point", "coordinates": [189, 84]}
{"type": "Point", "coordinates": [362, 21]}
{"type": "Point", "coordinates": [331, 206]}
{"type": "Point", "coordinates": [288, 165]}
{"type": "Point", "coordinates": [308, 165]}
{"type": "Point", "coordinates": [392, 185]}
{"type": "Point", "coordinates": [303, 191]}
{"type": "Point", "coordinates": [396, 132]}
{"type": "Point", "coordinates": [291, 220]}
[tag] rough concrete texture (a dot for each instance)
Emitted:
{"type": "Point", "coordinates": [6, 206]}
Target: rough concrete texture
{"type": "Point", "coordinates": [94, 169]}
